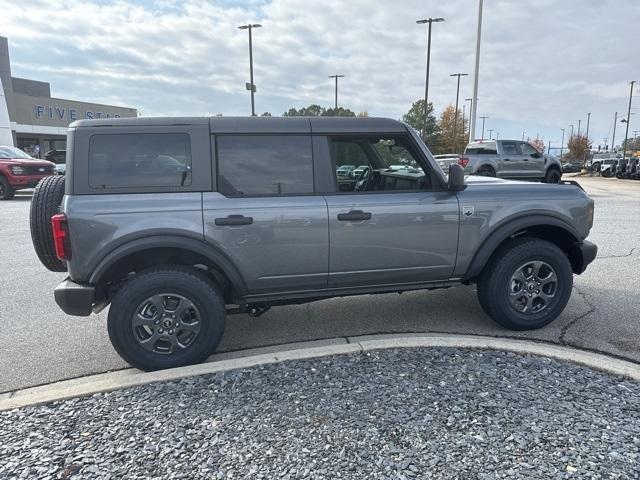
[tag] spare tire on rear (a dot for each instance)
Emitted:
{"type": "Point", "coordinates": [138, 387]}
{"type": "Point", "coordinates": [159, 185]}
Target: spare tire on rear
{"type": "Point", "coordinates": [45, 203]}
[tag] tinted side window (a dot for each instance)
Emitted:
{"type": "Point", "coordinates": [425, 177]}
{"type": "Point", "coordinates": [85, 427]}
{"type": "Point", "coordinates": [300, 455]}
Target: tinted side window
{"type": "Point", "coordinates": [264, 164]}
{"type": "Point", "coordinates": [139, 160]}
{"type": "Point", "coordinates": [510, 148]}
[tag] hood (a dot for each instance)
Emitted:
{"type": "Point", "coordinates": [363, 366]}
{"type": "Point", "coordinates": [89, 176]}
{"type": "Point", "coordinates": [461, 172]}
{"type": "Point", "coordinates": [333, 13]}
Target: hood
{"type": "Point", "coordinates": [25, 161]}
{"type": "Point", "coordinates": [480, 180]}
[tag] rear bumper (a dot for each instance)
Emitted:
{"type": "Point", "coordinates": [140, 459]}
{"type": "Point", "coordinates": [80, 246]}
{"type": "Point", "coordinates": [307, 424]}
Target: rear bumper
{"type": "Point", "coordinates": [74, 298]}
{"type": "Point", "coordinates": [587, 252]}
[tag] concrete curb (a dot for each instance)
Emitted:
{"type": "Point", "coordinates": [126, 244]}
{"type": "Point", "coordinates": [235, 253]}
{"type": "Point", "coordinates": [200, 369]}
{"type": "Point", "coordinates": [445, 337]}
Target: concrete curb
{"type": "Point", "coordinates": [131, 377]}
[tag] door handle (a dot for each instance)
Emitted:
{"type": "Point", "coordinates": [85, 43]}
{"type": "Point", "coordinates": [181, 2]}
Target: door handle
{"type": "Point", "coordinates": [354, 215]}
{"type": "Point", "coordinates": [234, 220]}
{"type": "Point", "coordinates": [525, 159]}
{"type": "Point", "coordinates": [506, 159]}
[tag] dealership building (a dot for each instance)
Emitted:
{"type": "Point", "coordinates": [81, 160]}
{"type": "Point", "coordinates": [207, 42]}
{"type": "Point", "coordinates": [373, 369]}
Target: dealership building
{"type": "Point", "coordinates": [35, 121]}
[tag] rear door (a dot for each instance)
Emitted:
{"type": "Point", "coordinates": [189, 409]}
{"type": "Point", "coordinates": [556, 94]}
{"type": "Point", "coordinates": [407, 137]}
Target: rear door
{"type": "Point", "coordinates": [511, 160]}
{"type": "Point", "coordinates": [388, 225]}
{"type": "Point", "coordinates": [265, 215]}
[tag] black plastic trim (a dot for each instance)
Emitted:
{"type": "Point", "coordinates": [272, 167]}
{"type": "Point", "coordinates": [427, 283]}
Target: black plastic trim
{"type": "Point", "coordinates": [74, 298]}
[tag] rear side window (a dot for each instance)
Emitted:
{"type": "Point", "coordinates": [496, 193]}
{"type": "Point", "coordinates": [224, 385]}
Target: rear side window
{"type": "Point", "coordinates": [264, 164]}
{"type": "Point", "coordinates": [510, 148]}
{"type": "Point", "coordinates": [487, 148]}
{"type": "Point", "coordinates": [139, 160]}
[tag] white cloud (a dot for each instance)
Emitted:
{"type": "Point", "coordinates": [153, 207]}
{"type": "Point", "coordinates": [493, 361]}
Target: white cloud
{"type": "Point", "coordinates": [544, 63]}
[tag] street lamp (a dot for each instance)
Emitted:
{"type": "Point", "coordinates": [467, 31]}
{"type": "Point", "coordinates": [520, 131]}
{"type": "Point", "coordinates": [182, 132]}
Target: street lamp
{"type": "Point", "coordinates": [426, 83]}
{"type": "Point", "coordinates": [336, 78]}
{"type": "Point", "coordinates": [251, 86]}
{"type": "Point", "coordinates": [562, 144]}
{"type": "Point", "coordinates": [472, 127]}
{"type": "Point", "coordinates": [490, 132]}
{"type": "Point", "coordinates": [455, 118]}
{"type": "Point", "coordinates": [483, 119]}
{"type": "Point", "coordinates": [626, 133]}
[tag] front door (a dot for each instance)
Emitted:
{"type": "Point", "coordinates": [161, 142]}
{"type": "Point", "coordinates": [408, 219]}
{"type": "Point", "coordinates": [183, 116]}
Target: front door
{"type": "Point", "coordinates": [533, 160]}
{"type": "Point", "coordinates": [513, 164]}
{"type": "Point", "coordinates": [265, 215]}
{"type": "Point", "coordinates": [388, 224]}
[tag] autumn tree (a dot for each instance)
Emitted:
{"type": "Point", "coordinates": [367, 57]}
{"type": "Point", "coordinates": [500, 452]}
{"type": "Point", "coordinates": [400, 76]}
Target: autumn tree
{"type": "Point", "coordinates": [416, 118]}
{"type": "Point", "coordinates": [538, 143]}
{"type": "Point", "coordinates": [447, 123]}
{"type": "Point", "coordinates": [578, 146]}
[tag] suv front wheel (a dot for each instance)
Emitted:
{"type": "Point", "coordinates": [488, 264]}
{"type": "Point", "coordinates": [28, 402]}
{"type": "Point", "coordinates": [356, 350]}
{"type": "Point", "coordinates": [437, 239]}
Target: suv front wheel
{"type": "Point", "coordinates": [166, 317]}
{"type": "Point", "coordinates": [526, 284]}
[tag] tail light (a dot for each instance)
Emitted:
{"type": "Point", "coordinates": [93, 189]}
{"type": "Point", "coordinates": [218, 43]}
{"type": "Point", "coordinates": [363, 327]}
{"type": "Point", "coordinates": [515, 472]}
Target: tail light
{"type": "Point", "coordinates": [60, 229]}
{"type": "Point", "coordinates": [463, 162]}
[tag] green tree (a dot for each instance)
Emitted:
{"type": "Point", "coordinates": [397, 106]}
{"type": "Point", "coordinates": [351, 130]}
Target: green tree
{"type": "Point", "coordinates": [312, 110]}
{"type": "Point", "coordinates": [338, 112]}
{"type": "Point", "coordinates": [266, 114]}
{"type": "Point", "coordinates": [416, 118]}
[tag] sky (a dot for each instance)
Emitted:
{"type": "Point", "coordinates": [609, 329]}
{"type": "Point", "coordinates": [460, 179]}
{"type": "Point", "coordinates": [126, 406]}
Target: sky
{"type": "Point", "coordinates": [545, 64]}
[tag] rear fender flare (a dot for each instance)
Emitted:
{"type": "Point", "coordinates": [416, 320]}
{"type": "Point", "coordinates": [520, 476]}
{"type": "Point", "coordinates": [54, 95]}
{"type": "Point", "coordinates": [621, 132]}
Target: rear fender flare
{"type": "Point", "coordinates": [218, 258]}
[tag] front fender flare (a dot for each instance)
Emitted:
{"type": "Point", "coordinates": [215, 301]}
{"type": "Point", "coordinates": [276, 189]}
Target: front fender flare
{"type": "Point", "coordinates": [507, 229]}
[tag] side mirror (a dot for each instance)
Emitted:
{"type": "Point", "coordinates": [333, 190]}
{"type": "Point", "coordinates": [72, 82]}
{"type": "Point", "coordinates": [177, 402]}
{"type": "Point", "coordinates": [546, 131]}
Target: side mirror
{"type": "Point", "coordinates": [456, 178]}
{"type": "Point", "coordinates": [536, 155]}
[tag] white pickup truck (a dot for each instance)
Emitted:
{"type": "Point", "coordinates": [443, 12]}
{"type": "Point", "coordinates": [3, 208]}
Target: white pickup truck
{"type": "Point", "coordinates": [511, 159]}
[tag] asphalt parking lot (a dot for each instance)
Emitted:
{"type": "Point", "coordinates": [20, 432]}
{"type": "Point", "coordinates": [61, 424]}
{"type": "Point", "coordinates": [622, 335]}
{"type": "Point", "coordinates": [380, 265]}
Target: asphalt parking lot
{"type": "Point", "coordinates": [40, 344]}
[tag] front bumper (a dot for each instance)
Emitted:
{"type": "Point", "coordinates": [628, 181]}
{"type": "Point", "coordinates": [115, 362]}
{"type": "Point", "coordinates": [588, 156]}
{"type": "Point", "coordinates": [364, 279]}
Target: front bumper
{"type": "Point", "coordinates": [586, 253]}
{"type": "Point", "coordinates": [18, 182]}
{"type": "Point", "coordinates": [74, 298]}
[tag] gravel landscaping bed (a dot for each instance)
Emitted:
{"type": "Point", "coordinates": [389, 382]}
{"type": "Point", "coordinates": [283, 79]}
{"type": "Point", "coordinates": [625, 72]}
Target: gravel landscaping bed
{"type": "Point", "coordinates": [408, 413]}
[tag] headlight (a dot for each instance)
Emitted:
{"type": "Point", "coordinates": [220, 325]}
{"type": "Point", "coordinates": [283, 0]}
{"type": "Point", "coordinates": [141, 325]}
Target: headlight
{"type": "Point", "coordinates": [17, 170]}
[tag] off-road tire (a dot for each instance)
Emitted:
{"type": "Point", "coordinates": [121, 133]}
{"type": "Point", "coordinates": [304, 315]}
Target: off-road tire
{"type": "Point", "coordinates": [178, 280]}
{"type": "Point", "coordinates": [6, 190]}
{"type": "Point", "coordinates": [486, 172]}
{"type": "Point", "coordinates": [45, 203]}
{"type": "Point", "coordinates": [553, 175]}
{"type": "Point", "coordinates": [494, 283]}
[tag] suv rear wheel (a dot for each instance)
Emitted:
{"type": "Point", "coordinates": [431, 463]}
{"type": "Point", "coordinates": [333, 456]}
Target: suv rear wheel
{"type": "Point", "coordinates": [166, 317]}
{"type": "Point", "coordinates": [526, 284]}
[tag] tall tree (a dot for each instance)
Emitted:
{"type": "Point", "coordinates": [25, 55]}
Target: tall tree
{"type": "Point", "coordinates": [416, 118]}
{"type": "Point", "coordinates": [312, 110]}
{"type": "Point", "coordinates": [448, 142]}
{"type": "Point", "coordinates": [338, 112]}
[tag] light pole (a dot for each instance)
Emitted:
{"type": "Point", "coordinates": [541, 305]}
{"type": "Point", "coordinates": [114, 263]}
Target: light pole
{"type": "Point", "coordinates": [483, 119]}
{"type": "Point", "coordinates": [562, 144]}
{"type": "Point", "coordinates": [579, 121]}
{"type": "Point", "coordinates": [426, 83]}
{"type": "Point", "coordinates": [588, 120]}
{"type": "Point", "coordinates": [571, 136]}
{"type": "Point", "coordinates": [474, 105]}
{"type": "Point", "coordinates": [548, 148]}
{"type": "Point", "coordinates": [455, 118]}
{"type": "Point", "coordinates": [336, 96]}
{"type": "Point", "coordinates": [584, 159]}
{"type": "Point", "coordinates": [251, 86]}
{"type": "Point", "coordinates": [490, 132]}
{"type": "Point", "coordinates": [613, 140]}
{"type": "Point", "coordinates": [626, 133]}
{"type": "Point", "coordinates": [523, 132]}
{"type": "Point", "coordinates": [497, 135]}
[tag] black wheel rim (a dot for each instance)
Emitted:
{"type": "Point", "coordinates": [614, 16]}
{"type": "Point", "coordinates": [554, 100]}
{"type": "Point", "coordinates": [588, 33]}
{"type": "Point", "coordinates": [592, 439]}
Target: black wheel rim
{"type": "Point", "coordinates": [533, 287]}
{"type": "Point", "coordinates": [166, 323]}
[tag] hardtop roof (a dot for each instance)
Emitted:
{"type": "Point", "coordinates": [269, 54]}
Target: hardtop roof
{"type": "Point", "coordinates": [260, 124]}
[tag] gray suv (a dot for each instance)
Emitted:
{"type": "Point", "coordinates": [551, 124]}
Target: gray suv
{"type": "Point", "coordinates": [176, 222]}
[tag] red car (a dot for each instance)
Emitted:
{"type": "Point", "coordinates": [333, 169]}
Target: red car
{"type": "Point", "coordinates": [18, 170]}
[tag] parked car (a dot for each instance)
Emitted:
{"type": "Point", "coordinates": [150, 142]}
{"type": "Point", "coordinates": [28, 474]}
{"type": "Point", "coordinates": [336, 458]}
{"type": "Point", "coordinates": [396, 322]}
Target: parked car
{"type": "Point", "coordinates": [263, 220]}
{"type": "Point", "coordinates": [511, 159]}
{"type": "Point", "coordinates": [345, 170]}
{"type": "Point", "coordinates": [572, 167]}
{"type": "Point", "coordinates": [18, 170]}
{"type": "Point", "coordinates": [59, 157]}
{"type": "Point", "coordinates": [358, 171]}
{"type": "Point", "coordinates": [608, 167]}
{"type": "Point", "coordinates": [446, 159]}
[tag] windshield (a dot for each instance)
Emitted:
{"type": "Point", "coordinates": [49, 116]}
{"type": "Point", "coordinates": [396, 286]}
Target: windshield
{"type": "Point", "coordinates": [12, 152]}
{"type": "Point", "coordinates": [481, 148]}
